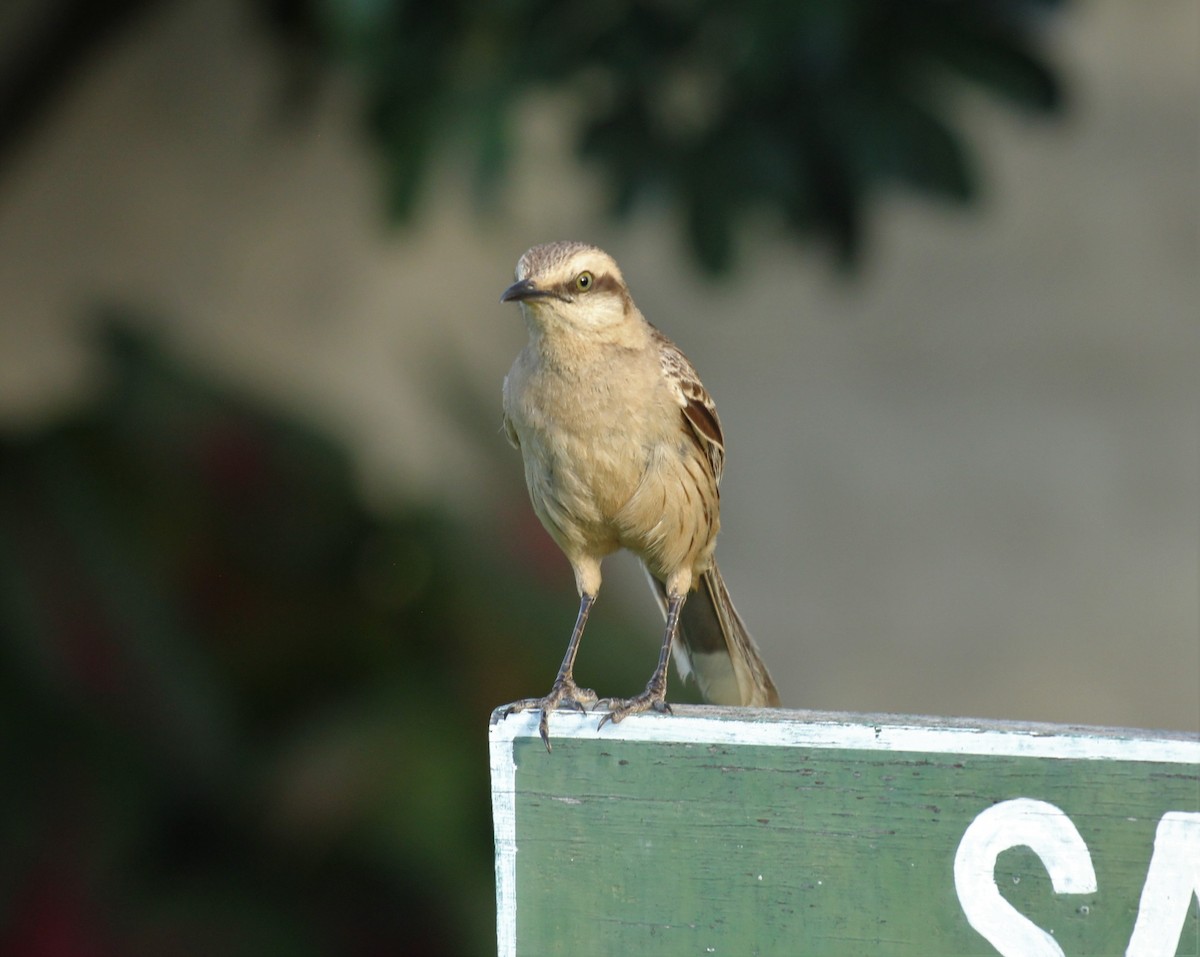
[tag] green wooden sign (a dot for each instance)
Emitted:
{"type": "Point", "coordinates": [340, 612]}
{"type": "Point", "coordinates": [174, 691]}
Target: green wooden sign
{"type": "Point", "coordinates": [743, 832]}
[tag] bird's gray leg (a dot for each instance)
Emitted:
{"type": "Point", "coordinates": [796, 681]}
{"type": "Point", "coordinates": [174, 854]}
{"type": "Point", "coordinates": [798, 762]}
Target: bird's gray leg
{"type": "Point", "coordinates": [654, 698]}
{"type": "Point", "coordinates": [564, 693]}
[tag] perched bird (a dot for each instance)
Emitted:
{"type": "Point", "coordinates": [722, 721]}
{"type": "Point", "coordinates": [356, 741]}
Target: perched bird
{"type": "Point", "coordinates": [623, 449]}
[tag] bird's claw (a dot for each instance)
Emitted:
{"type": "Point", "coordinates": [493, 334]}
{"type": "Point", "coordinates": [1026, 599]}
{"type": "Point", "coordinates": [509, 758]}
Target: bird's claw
{"type": "Point", "coordinates": [564, 694]}
{"type": "Point", "coordinates": [652, 699]}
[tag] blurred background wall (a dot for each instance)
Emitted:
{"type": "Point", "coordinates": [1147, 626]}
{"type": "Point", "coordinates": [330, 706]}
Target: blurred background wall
{"type": "Point", "coordinates": [963, 478]}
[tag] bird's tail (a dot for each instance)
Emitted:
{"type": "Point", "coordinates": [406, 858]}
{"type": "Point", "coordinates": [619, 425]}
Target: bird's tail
{"type": "Point", "coordinates": [715, 646]}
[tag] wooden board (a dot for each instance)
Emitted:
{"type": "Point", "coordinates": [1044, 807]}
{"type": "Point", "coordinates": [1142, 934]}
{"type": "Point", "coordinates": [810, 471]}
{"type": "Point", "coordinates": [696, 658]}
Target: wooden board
{"type": "Point", "coordinates": [743, 832]}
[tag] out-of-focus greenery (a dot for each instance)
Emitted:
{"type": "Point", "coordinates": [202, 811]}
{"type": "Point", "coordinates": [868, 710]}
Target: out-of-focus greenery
{"type": "Point", "coordinates": [795, 116]}
{"type": "Point", "coordinates": [241, 714]}
{"type": "Point", "coordinates": [795, 113]}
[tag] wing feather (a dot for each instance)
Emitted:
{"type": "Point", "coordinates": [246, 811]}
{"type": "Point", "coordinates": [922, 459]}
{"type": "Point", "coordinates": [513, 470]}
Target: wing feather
{"type": "Point", "coordinates": [699, 410]}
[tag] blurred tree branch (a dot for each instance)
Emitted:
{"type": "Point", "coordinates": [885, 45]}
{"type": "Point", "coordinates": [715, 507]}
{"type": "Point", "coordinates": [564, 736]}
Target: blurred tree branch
{"type": "Point", "coordinates": [804, 111]}
{"type": "Point", "coordinates": [46, 44]}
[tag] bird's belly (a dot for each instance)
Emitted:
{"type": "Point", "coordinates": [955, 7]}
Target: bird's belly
{"type": "Point", "coordinates": [579, 483]}
{"type": "Point", "coordinates": [618, 472]}
{"type": "Point", "coordinates": [672, 518]}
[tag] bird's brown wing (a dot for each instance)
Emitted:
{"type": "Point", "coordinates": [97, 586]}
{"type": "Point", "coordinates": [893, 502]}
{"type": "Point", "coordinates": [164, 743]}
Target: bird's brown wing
{"type": "Point", "coordinates": [699, 410]}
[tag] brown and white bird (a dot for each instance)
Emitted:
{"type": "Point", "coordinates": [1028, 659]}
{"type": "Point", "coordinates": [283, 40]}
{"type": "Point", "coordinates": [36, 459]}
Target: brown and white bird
{"type": "Point", "coordinates": [623, 449]}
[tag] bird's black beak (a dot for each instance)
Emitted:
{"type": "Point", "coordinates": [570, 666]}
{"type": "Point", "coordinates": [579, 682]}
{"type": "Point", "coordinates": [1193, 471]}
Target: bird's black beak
{"type": "Point", "coordinates": [522, 289]}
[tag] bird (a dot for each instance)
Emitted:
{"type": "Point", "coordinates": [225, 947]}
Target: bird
{"type": "Point", "coordinates": [622, 448]}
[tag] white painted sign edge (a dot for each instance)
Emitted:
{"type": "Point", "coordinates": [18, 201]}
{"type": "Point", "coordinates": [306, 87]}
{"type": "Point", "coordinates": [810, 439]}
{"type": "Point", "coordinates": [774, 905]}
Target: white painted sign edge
{"type": "Point", "coordinates": [864, 733]}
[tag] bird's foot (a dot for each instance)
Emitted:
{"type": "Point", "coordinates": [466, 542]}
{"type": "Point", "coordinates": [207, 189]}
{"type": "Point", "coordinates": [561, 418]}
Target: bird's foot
{"type": "Point", "coordinates": [652, 699]}
{"type": "Point", "coordinates": [564, 694]}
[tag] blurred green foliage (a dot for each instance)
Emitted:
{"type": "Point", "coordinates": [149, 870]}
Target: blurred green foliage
{"type": "Point", "coordinates": [793, 115]}
{"type": "Point", "coordinates": [241, 713]}
{"type": "Point", "coordinates": [799, 113]}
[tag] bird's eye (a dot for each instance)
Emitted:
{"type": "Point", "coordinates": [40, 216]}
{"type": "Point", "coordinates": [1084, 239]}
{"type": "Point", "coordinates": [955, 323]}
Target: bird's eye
{"type": "Point", "coordinates": [583, 282]}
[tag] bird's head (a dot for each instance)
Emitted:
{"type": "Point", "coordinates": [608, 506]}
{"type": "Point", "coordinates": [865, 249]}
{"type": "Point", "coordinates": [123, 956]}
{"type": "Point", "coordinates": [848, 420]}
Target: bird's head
{"type": "Point", "coordinates": [572, 284]}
